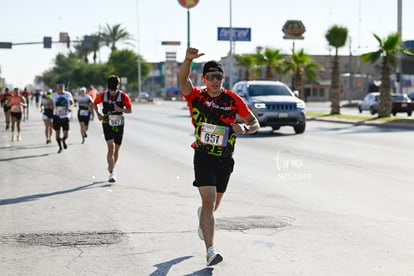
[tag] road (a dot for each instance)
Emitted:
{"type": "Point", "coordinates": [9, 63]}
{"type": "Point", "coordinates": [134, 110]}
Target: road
{"type": "Point", "coordinates": [336, 200]}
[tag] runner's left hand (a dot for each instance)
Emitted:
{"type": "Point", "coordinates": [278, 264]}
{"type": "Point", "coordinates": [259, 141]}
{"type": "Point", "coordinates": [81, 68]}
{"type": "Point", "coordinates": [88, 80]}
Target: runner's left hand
{"type": "Point", "coordinates": [238, 128]}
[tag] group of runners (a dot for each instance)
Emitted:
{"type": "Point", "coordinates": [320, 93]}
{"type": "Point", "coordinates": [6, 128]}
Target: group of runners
{"type": "Point", "coordinates": [56, 107]}
{"type": "Point", "coordinates": [213, 111]}
{"type": "Point", "coordinates": [16, 108]}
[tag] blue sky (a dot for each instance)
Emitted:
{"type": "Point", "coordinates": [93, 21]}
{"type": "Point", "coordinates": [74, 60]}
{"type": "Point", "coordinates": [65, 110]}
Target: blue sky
{"type": "Point", "coordinates": [152, 21]}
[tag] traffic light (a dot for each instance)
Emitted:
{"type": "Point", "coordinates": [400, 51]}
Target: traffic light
{"type": "Point", "coordinates": [47, 42]}
{"type": "Point", "coordinates": [6, 45]}
{"type": "Point", "coordinates": [88, 42]}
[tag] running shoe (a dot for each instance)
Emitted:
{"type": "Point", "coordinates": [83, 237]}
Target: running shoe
{"type": "Point", "coordinates": [112, 177]}
{"type": "Point", "coordinates": [213, 257]}
{"type": "Point", "coordinates": [199, 230]}
{"type": "Point", "coordinates": [12, 138]}
{"type": "Point", "coordinates": [19, 137]}
{"type": "Point", "coordinates": [64, 144]}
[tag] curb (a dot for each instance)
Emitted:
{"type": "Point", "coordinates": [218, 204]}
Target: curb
{"type": "Point", "coordinates": [364, 123]}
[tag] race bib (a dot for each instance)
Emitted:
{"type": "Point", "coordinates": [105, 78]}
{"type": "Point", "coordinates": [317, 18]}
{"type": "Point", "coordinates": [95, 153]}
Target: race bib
{"type": "Point", "coordinates": [214, 135]}
{"type": "Point", "coordinates": [115, 120]}
{"type": "Point", "coordinates": [15, 107]}
{"type": "Point", "coordinates": [84, 112]}
{"type": "Point", "coordinates": [60, 110]}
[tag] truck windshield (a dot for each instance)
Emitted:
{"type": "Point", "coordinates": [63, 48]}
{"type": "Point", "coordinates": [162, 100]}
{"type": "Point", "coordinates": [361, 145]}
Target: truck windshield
{"type": "Point", "coordinates": [268, 90]}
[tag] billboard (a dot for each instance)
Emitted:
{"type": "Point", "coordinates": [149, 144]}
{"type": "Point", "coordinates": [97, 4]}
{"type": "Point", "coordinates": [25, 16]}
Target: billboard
{"type": "Point", "coordinates": [239, 34]}
{"type": "Point", "coordinates": [293, 29]}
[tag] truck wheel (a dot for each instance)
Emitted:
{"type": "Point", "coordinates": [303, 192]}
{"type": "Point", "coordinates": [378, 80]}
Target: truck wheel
{"type": "Point", "coordinates": [300, 128]}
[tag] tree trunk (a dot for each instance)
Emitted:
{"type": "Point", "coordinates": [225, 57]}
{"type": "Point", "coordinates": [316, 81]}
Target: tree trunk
{"type": "Point", "coordinates": [299, 84]}
{"type": "Point", "coordinates": [269, 74]}
{"type": "Point", "coordinates": [385, 105]}
{"type": "Point", "coordinates": [335, 87]}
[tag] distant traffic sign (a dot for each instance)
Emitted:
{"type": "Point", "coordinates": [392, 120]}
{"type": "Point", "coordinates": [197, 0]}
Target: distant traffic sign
{"type": "Point", "coordinates": [409, 44]}
{"type": "Point", "coordinates": [239, 34]}
{"type": "Point", "coordinates": [171, 43]}
{"type": "Point", "coordinates": [188, 3]}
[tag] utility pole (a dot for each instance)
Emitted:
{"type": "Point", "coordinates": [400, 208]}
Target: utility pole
{"type": "Point", "coordinates": [351, 74]}
{"type": "Point", "coordinates": [138, 55]}
{"type": "Point", "coordinates": [231, 50]}
{"type": "Point", "coordinates": [399, 70]}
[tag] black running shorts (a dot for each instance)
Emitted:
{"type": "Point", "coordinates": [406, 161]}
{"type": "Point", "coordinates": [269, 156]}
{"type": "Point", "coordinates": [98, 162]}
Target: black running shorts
{"type": "Point", "coordinates": [84, 119]}
{"type": "Point", "coordinates": [60, 123]}
{"type": "Point", "coordinates": [212, 170]}
{"type": "Point", "coordinates": [113, 133]}
{"type": "Point", "coordinates": [17, 115]}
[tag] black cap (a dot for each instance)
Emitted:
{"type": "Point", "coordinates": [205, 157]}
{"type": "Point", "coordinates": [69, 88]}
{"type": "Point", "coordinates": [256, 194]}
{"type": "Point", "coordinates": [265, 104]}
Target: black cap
{"type": "Point", "coordinates": [113, 82]}
{"type": "Point", "coordinates": [212, 66]}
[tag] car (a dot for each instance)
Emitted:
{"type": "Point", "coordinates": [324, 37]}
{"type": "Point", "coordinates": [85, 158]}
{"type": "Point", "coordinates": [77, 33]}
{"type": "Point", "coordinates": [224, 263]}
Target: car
{"type": "Point", "coordinates": [411, 96]}
{"type": "Point", "coordinates": [400, 103]}
{"type": "Point", "coordinates": [144, 97]}
{"type": "Point", "coordinates": [273, 103]}
{"type": "Point", "coordinates": [370, 102]}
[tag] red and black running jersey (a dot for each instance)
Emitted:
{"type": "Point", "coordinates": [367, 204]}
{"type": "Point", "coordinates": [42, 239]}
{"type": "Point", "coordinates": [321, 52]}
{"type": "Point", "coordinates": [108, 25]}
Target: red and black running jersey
{"type": "Point", "coordinates": [121, 99]}
{"type": "Point", "coordinates": [108, 102]}
{"type": "Point", "coordinates": [212, 116]}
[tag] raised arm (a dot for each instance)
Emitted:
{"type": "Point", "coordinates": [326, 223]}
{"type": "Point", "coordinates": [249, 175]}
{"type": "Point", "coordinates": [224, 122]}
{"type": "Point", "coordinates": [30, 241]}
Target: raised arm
{"type": "Point", "coordinates": [185, 82]}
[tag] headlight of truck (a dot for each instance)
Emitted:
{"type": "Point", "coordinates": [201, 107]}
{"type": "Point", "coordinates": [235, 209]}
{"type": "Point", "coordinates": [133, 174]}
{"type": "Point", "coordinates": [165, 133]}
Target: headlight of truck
{"type": "Point", "coordinates": [259, 105]}
{"type": "Point", "coordinates": [300, 104]}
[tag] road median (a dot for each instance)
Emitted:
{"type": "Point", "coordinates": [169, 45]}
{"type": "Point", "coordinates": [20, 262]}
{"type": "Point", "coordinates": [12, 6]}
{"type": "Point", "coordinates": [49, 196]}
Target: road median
{"type": "Point", "coordinates": [362, 120]}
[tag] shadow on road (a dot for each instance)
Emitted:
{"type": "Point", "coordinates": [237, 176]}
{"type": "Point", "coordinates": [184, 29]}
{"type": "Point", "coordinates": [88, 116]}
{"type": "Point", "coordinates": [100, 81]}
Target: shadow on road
{"type": "Point", "coordinates": [24, 157]}
{"type": "Point", "coordinates": [21, 199]}
{"type": "Point", "coordinates": [163, 268]}
{"type": "Point", "coordinates": [208, 271]}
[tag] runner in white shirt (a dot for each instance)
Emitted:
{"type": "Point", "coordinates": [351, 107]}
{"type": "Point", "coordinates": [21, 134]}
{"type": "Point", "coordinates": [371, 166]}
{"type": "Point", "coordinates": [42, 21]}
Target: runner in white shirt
{"type": "Point", "coordinates": [62, 104]}
{"type": "Point", "coordinates": [85, 104]}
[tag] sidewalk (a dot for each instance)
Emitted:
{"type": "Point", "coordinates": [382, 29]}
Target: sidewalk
{"type": "Point", "coordinates": [324, 107]}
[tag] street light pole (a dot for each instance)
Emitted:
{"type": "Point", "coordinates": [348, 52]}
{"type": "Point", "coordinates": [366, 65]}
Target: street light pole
{"type": "Point", "coordinates": [399, 27]}
{"type": "Point", "coordinates": [188, 28]}
{"type": "Point", "coordinates": [138, 53]}
{"type": "Point", "coordinates": [231, 50]}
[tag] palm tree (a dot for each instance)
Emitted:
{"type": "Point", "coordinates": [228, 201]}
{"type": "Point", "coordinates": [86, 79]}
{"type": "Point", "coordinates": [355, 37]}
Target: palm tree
{"type": "Point", "coordinates": [300, 64]}
{"type": "Point", "coordinates": [114, 35]}
{"type": "Point", "coordinates": [273, 61]}
{"type": "Point", "coordinates": [97, 42]}
{"type": "Point", "coordinates": [388, 49]}
{"type": "Point", "coordinates": [82, 52]}
{"type": "Point", "coordinates": [336, 36]}
{"type": "Point", "coordinates": [247, 61]}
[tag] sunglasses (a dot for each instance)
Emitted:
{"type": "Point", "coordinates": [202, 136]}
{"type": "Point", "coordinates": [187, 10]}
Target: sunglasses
{"type": "Point", "coordinates": [211, 77]}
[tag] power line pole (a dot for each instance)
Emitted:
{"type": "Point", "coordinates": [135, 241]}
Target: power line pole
{"type": "Point", "coordinates": [399, 27]}
{"type": "Point", "coordinates": [231, 49]}
{"type": "Point", "coordinates": [138, 54]}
